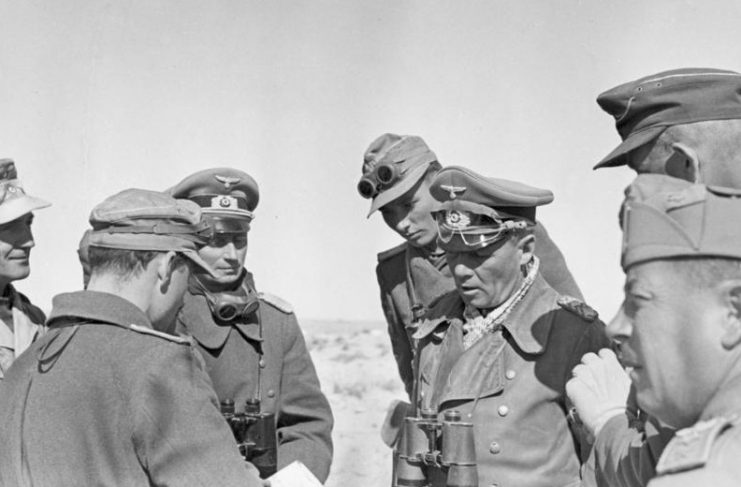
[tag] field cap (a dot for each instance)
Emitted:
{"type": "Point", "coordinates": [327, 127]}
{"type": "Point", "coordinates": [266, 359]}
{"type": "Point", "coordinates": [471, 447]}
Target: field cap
{"type": "Point", "coordinates": [227, 197]}
{"type": "Point", "coordinates": [665, 217]}
{"type": "Point", "coordinates": [392, 165]}
{"type": "Point", "coordinates": [476, 211]}
{"type": "Point", "coordinates": [14, 202]}
{"type": "Point", "coordinates": [139, 219]}
{"type": "Point", "coordinates": [644, 108]}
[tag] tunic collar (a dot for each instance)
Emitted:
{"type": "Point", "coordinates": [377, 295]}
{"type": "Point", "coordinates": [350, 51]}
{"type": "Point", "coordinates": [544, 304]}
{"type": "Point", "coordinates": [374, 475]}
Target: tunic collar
{"type": "Point", "coordinates": [98, 307]}
{"type": "Point", "coordinates": [529, 323]}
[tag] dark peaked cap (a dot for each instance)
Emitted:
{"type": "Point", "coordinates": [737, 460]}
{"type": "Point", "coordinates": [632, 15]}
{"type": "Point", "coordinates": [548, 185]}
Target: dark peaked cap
{"type": "Point", "coordinates": [644, 108]}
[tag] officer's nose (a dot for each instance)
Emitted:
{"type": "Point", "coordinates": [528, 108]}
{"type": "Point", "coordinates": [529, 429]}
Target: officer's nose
{"type": "Point", "coordinates": [620, 327]}
{"type": "Point", "coordinates": [230, 251]}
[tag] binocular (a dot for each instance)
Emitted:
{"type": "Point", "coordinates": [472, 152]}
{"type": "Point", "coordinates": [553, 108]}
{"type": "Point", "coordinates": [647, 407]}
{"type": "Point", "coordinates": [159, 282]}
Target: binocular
{"type": "Point", "coordinates": [420, 455]}
{"type": "Point", "coordinates": [255, 435]}
{"type": "Point", "coordinates": [383, 175]}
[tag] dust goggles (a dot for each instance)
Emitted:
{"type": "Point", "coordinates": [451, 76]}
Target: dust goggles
{"type": "Point", "coordinates": [383, 176]}
{"type": "Point", "coordinates": [473, 230]}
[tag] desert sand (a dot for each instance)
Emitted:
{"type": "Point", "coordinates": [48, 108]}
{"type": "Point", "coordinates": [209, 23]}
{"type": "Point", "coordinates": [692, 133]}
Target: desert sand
{"type": "Point", "coordinates": [358, 374]}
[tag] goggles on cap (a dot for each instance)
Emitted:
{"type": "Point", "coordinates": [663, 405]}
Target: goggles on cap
{"type": "Point", "coordinates": [383, 176]}
{"type": "Point", "coordinates": [474, 229]}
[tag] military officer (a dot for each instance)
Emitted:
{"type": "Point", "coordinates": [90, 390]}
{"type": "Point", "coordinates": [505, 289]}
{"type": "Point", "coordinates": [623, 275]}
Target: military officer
{"type": "Point", "coordinates": [251, 342]}
{"type": "Point", "coordinates": [684, 123]}
{"type": "Point", "coordinates": [679, 328]}
{"type": "Point", "coordinates": [20, 321]}
{"type": "Point", "coordinates": [109, 396]}
{"type": "Point", "coordinates": [501, 349]}
{"type": "Point", "coordinates": [396, 174]}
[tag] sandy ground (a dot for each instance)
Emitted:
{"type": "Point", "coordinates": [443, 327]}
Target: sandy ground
{"type": "Point", "coordinates": [358, 374]}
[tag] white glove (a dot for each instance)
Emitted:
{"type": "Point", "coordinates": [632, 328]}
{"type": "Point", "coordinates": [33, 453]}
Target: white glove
{"type": "Point", "coordinates": [599, 389]}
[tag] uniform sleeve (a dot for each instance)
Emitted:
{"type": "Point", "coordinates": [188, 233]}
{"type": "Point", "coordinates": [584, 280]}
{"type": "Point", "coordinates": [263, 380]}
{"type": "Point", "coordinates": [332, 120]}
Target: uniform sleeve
{"type": "Point", "coordinates": [179, 434]}
{"type": "Point", "coordinates": [304, 423]}
{"type": "Point", "coordinates": [400, 344]}
{"type": "Point", "coordinates": [625, 455]}
{"type": "Point", "coordinates": [553, 264]}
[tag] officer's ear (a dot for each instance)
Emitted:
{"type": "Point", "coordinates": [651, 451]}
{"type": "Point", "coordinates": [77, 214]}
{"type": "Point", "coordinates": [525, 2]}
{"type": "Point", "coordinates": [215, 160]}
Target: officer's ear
{"type": "Point", "coordinates": [731, 334]}
{"type": "Point", "coordinates": [684, 163]}
{"type": "Point", "coordinates": [166, 264]}
{"type": "Point", "coordinates": [526, 245]}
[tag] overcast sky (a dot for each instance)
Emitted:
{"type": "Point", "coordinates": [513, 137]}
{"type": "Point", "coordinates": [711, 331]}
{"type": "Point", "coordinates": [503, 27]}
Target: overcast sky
{"type": "Point", "coordinates": [98, 96]}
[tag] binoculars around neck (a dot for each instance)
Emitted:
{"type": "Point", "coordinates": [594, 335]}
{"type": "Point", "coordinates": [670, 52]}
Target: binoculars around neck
{"type": "Point", "coordinates": [255, 435]}
{"type": "Point", "coordinates": [419, 453]}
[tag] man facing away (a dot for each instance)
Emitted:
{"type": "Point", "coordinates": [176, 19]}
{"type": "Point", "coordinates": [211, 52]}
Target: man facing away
{"type": "Point", "coordinates": [251, 342]}
{"type": "Point", "coordinates": [500, 350]}
{"type": "Point", "coordinates": [109, 396]}
{"type": "Point", "coordinates": [679, 328]}
{"type": "Point", "coordinates": [412, 277]}
{"type": "Point", "coordinates": [20, 321]}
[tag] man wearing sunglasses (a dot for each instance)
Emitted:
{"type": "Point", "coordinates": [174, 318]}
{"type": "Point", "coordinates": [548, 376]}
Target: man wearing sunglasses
{"type": "Point", "coordinates": [500, 350]}
{"type": "Point", "coordinates": [251, 342]}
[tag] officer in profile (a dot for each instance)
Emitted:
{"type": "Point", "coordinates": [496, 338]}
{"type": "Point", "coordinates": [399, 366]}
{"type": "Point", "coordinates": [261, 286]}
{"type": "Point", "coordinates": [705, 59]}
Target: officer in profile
{"type": "Point", "coordinates": [20, 321]}
{"type": "Point", "coordinates": [109, 396]}
{"type": "Point", "coordinates": [251, 342]}
{"type": "Point", "coordinates": [500, 349]}
{"type": "Point", "coordinates": [684, 123]}
{"type": "Point", "coordinates": [679, 328]}
{"type": "Point", "coordinates": [413, 276]}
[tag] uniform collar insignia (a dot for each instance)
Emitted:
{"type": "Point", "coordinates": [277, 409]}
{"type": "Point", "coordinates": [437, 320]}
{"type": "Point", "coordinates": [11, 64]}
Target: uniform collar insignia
{"type": "Point", "coordinates": [453, 190]}
{"type": "Point", "coordinates": [227, 181]}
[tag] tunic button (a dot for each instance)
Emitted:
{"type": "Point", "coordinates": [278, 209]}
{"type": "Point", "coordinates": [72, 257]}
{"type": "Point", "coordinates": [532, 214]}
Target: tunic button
{"type": "Point", "coordinates": [510, 374]}
{"type": "Point", "coordinates": [494, 448]}
{"type": "Point", "coordinates": [261, 363]}
{"type": "Point", "coordinates": [271, 393]}
{"type": "Point", "coordinates": [503, 410]}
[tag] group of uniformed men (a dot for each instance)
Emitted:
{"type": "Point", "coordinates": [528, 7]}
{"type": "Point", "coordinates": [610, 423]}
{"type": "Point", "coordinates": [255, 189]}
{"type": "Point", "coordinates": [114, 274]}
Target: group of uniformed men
{"type": "Point", "coordinates": [121, 384]}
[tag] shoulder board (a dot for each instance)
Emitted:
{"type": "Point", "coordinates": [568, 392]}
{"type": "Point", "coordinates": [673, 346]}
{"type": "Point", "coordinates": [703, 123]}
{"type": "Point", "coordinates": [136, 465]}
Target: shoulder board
{"type": "Point", "coordinates": [690, 447]}
{"type": "Point", "coordinates": [149, 331]}
{"type": "Point", "coordinates": [578, 307]}
{"type": "Point", "coordinates": [387, 254]}
{"type": "Point", "coordinates": [277, 302]}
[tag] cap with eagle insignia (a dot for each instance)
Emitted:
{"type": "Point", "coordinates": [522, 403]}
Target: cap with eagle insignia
{"type": "Point", "coordinates": [14, 202]}
{"type": "Point", "coordinates": [227, 197]}
{"type": "Point", "coordinates": [476, 211]}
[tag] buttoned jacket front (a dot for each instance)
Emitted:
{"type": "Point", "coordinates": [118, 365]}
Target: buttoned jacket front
{"type": "Point", "coordinates": [272, 364]}
{"type": "Point", "coordinates": [511, 385]}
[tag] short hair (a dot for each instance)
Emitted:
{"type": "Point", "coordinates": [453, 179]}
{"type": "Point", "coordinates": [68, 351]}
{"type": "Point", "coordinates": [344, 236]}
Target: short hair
{"type": "Point", "coordinates": [706, 272]}
{"type": "Point", "coordinates": [124, 263]}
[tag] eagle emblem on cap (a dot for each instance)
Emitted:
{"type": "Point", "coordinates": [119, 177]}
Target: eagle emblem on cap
{"type": "Point", "coordinates": [453, 190]}
{"type": "Point", "coordinates": [227, 181]}
{"type": "Point", "coordinates": [457, 220]}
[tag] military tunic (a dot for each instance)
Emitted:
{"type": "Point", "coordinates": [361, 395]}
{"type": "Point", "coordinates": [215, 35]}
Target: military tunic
{"type": "Point", "coordinates": [625, 452]}
{"type": "Point", "coordinates": [102, 399]}
{"type": "Point", "coordinates": [27, 323]}
{"type": "Point", "coordinates": [407, 276]}
{"type": "Point", "coordinates": [275, 366]}
{"type": "Point", "coordinates": [511, 384]}
{"type": "Point", "coordinates": [708, 452]}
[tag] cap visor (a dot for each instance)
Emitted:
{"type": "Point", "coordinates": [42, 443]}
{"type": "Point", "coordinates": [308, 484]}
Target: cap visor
{"type": "Point", "coordinates": [633, 142]}
{"type": "Point", "coordinates": [196, 259]}
{"type": "Point", "coordinates": [389, 195]}
{"type": "Point", "coordinates": [17, 207]}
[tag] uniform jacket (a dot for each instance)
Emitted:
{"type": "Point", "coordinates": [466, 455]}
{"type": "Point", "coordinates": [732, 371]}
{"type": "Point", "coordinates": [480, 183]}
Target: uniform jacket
{"type": "Point", "coordinates": [511, 384]}
{"type": "Point", "coordinates": [625, 452]}
{"type": "Point", "coordinates": [406, 276]}
{"type": "Point", "coordinates": [102, 399]}
{"type": "Point", "coordinates": [276, 366]}
{"type": "Point", "coordinates": [707, 453]}
{"type": "Point", "coordinates": [28, 323]}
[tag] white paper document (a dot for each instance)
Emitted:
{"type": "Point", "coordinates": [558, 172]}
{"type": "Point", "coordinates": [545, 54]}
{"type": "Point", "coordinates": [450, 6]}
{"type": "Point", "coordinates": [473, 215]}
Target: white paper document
{"type": "Point", "coordinates": [294, 475]}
